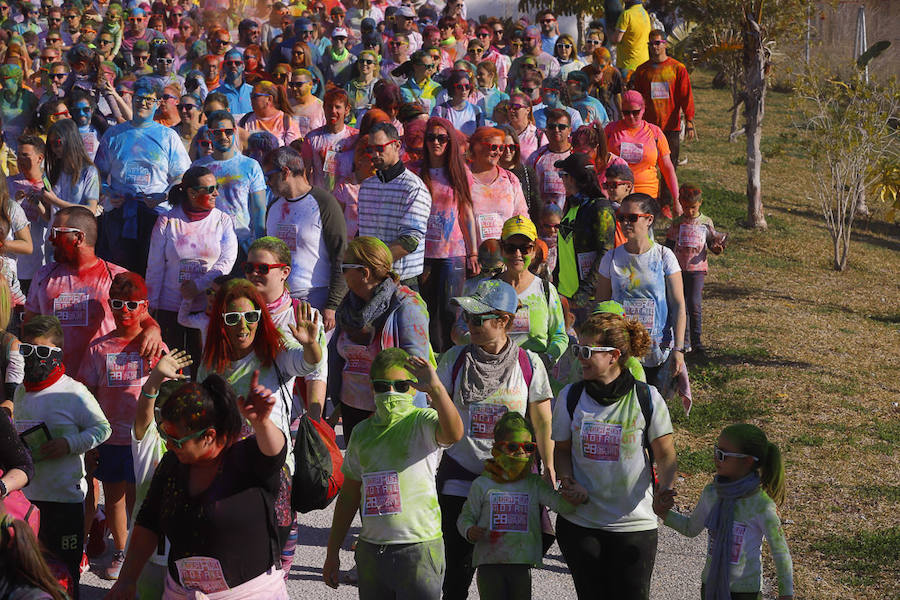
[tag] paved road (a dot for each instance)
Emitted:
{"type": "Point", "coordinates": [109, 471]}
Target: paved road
{"type": "Point", "coordinates": [679, 562]}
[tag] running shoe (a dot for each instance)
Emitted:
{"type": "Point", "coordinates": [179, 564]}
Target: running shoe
{"type": "Point", "coordinates": [115, 565]}
{"type": "Point", "coordinates": [85, 563]}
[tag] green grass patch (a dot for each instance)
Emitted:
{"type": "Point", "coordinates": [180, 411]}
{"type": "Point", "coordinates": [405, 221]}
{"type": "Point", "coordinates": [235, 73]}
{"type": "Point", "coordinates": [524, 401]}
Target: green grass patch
{"type": "Point", "coordinates": [735, 405]}
{"type": "Point", "coordinates": [807, 439]}
{"type": "Point", "coordinates": [889, 493]}
{"type": "Point", "coordinates": [696, 461]}
{"type": "Point", "coordinates": [863, 556]}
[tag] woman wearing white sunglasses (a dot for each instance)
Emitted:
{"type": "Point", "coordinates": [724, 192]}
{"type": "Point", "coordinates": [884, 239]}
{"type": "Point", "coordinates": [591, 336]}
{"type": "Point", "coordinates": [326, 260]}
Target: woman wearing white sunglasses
{"type": "Point", "coordinates": [607, 430]}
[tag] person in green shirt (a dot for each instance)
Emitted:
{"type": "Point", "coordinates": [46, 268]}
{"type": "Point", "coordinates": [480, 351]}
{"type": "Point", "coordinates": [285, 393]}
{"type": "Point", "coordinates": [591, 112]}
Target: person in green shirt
{"type": "Point", "coordinates": [502, 515]}
{"type": "Point", "coordinates": [389, 471]}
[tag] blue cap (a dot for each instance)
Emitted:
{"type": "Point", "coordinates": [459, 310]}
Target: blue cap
{"type": "Point", "coordinates": [490, 295]}
{"type": "Point", "coordinates": [302, 23]}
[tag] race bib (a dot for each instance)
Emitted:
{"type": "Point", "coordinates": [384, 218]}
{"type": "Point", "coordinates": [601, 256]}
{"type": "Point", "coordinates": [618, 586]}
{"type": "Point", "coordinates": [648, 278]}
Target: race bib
{"type": "Point", "coordinates": [521, 321]}
{"type": "Point", "coordinates": [124, 369]}
{"type": "Point", "coordinates": [330, 163]}
{"type": "Point", "coordinates": [303, 124]}
{"type": "Point", "coordinates": [71, 308]}
{"type": "Point", "coordinates": [382, 494]}
{"type": "Point", "coordinates": [601, 441]}
{"type": "Point", "coordinates": [202, 574]}
{"type": "Point", "coordinates": [509, 511]}
{"type": "Point", "coordinates": [553, 184]}
{"type": "Point", "coordinates": [137, 176]}
{"type": "Point", "coordinates": [287, 233]}
{"type": "Point", "coordinates": [190, 269]}
{"type": "Point", "coordinates": [692, 236]}
{"type": "Point", "coordinates": [490, 226]}
{"type": "Point", "coordinates": [357, 359]}
{"type": "Point", "coordinates": [90, 143]}
{"type": "Point", "coordinates": [631, 153]}
{"type": "Point", "coordinates": [435, 229]}
{"type": "Point", "coordinates": [738, 531]}
{"type": "Point", "coordinates": [551, 257]}
{"type": "Point", "coordinates": [482, 418]}
{"type": "Point", "coordinates": [585, 262]}
{"type": "Point", "coordinates": [659, 90]}
{"type": "Point", "coordinates": [642, 309]}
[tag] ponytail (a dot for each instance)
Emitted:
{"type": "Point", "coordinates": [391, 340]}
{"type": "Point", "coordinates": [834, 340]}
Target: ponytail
{"type": "Point", "coordinates": [24, 564]}
{"type": "Point", "coordinates": [750, 439]}
{"type": "Point", "coordinates": [190, 178]}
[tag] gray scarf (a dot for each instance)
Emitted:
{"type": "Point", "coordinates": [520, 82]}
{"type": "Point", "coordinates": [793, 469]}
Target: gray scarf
{"type": "Point", "coordinates": [483, 372]}
{"type": "Point", "coordinates": [357, 317]}
{"type": "Point", "coordinates": [720, 522]}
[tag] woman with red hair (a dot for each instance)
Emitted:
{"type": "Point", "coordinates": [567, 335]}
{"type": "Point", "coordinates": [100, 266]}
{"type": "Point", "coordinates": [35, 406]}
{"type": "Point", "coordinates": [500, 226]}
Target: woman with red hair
{"type": "Point", "coordinates": [496, 193]}
{"type": "Point", "coordinates": [450, 241]}
{"type": "Point", "coordinates": [242, 340]}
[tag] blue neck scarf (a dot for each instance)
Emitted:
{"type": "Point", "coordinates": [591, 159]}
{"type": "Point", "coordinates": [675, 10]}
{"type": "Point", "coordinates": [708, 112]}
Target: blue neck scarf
{"type": "Point", "coordinates": [720, 522]}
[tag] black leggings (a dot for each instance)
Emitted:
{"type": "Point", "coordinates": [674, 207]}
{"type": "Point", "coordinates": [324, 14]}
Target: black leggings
{"type": "Point", "coordinates": [457, 550]}
{"type": "Point", "coordinates": [62, 534]}
{"type": "Point", "coordinates": [350, 418]}
{"type": "Point", "coordinates": [605, 564]}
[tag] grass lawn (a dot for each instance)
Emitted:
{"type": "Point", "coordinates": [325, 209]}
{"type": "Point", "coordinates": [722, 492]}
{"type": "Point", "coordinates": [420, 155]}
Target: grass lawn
{"type": "Point", "coordinates": [808, 354]}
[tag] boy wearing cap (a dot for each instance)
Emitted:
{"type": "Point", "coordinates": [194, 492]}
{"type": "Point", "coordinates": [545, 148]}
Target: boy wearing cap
{"type": "Point", "coordinates": [405, 22]}
{"type": "Point", "coordinates": [337, 61]}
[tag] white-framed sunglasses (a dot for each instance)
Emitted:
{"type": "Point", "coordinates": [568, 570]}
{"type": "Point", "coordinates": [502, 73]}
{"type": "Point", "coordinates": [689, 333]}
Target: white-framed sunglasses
{"type": "Point", "coordinates": [249, 316]}
{"type": "Point", "coordinates": [721, 455]}
{"type": "Point", "coordinates": [585, 352]}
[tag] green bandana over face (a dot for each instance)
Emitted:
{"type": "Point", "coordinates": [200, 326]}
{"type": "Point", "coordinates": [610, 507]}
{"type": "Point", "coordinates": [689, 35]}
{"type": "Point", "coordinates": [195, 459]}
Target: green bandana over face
{"type": "Point", "coordinates": [513, 467]}
{"type": "Point", "coordinates": [390, 407]}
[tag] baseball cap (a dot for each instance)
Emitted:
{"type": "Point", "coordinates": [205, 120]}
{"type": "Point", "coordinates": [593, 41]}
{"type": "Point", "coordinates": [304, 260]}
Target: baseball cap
{"type": "Point", "coordinates": [367, 24]}
{"type": "Point", "coordinates": [339, 32]}
{"type": "Point", "coordinates": [406, 11]}
{"type": "Point", "coordinates": [490, 295]}
{"type": "Point", "coordinates": [609, 306]}
{"type": "Point", "coordinates": [519, 225]}
{"type": "Point", "coordinates": [576, 164]}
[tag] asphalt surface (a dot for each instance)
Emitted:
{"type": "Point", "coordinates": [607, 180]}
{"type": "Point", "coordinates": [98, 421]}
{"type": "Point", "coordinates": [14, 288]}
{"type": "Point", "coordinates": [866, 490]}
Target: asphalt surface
{"type": "Point", "coordinates": [676, 576]}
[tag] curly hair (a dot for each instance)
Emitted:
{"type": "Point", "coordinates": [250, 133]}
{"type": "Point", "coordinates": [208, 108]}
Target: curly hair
{"type": "Point", "coordinates": [628, 335]}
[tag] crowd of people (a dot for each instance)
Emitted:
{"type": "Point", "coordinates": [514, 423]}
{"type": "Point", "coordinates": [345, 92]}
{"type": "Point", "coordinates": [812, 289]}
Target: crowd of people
{"type": "Point", "coordinates": [432, 228]}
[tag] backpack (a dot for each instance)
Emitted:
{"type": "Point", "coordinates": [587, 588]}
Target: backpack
{"type": "Point", "coordinates": [20, 507]}
{"type": "Point", "coordinates": [524, 364]}
{"type": "Point", "coordinates": [642, 390]}
{"type": "Point", "coordinates": [317, 475]}
{"type": "Point", "coordinates": [317, 466]}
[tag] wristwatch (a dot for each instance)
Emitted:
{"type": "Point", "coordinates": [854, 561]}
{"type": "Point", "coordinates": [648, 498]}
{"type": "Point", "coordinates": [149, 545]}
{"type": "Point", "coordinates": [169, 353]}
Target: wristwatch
{"type": "Point", "coordinates": [678, 350]}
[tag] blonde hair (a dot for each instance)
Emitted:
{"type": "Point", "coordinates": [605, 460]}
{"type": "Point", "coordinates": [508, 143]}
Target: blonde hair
{"type": "Point", "coordinates": [628, 335]}
{"type": "Point", "coordinates": [373, 254]}
{"type": "Point", "coordinates": [6, 304]}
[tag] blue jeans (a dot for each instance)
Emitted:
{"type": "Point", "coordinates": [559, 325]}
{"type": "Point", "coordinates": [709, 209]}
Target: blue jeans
{"type": "Point", "coordinates": [442, 279]}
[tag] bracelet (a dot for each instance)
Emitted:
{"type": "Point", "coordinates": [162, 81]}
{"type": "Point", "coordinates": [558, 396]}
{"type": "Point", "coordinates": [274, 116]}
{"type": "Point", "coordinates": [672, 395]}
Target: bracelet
{"type": "Point", "coordinates": [151, 396]}
{"type": "Point", "coordinates": [678, 349]}
{"type": "Point", "coordinates": [3, 491]}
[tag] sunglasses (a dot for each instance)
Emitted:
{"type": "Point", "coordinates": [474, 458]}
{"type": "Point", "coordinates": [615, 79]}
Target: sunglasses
{"type": "Point", "coordinates": [398, 44]}
{"type": "Point", "coordinates": [37, 349]}
{"type": "Point", "coordinates": [379, 148]}
{"type": "Point", "coordinates": [514, 447]}
{"type": "Point", "coordinates": [382, 386]}
{"type": "Point", "coordinates": [54, 20]}
{"type": "Point", "coordinates": [233, 318]}
{"type": "Point", "coordinates": [611, 185]}
{"type": "Point", "coordinates": [232, 63]}
{"type": "Point", "coordinates": [657, 43]}
{"type": "Point", "coordinates": [548, 21]}
{"type": "Point", "coordinates": [59, 75]}
{"type": "Point", "coordinates": [585, 352]}
{"type": "Point", "coordinates": [350, 266]}
{"type": "Point", "coordinates": [367, 62]}
{"type": "Point", "coordinates": [512, 248]}
{"type": "Point", "coordinates": [298, 53]}
{"type": "Point", "coordinates": [179, 442]}
{"type": "Point", "coordinates": [257, 95]}
{"type": "Point", "coordinates": [262, 268]}
{"type": "Point", "coordinates": [557, 126]}
{"type": "Point", "coordinates": [55, 232]}
{"type": "Point", "coordinates": [149, 100]}
{"type": "Point", "coordinates": [225, 132]}
{"type": "Point", "coordinates": [631, 217]}
{"type": "Point", "coordinates": [53, 40]}
{"type": "Point", "coordinates": [495, 147]}
{"type": "Point", "coordinates": [132, 305]}
{"type": "Point", "coordinates": [564, 46]}
{"type": "Point", "coordinates": [517, 106]}
{"type": "Point", "coordinates": [187, 107]}
{"type": "Point", "coordinates": [206, 189]}
{"type": "Point", "coordinates": [440, 138]}
{"type": "Point", "coordinates": [483, 35]}
{"type": "Point", "coordinates": [296, 85]}
{"type": "Point", "coordinates": [141, 57]}
{"type": "Point", "coordinates": [632, 113]}
{"type": "Point", "coordinates": [478, 320]}
{"type": "Point", "coordinates": [720, 455]}
{"type": "Point", "coordinates": [528, 91]}
{"type": "Point", "coordinates": [592, 43]}
{"type": "Point", "coordinates": [105, 42]}
{"type": "Point", "coordinates": [204, 144]}
{"type": "Point", "coordinates": [165, 61]}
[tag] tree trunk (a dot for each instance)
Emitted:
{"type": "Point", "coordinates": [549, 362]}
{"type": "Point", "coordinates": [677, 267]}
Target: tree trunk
{"type": "Point", "coordinates": [579, 23]}
{"type": "Point", "coordinates": [754, 107]}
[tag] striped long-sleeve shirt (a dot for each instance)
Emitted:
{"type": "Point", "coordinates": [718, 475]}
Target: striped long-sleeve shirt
{"type": "Point", "coordinates": [395, 203]}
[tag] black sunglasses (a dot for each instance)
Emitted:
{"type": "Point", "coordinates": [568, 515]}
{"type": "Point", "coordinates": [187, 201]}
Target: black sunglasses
{"type": "Point", "coordinates": [382, 386]}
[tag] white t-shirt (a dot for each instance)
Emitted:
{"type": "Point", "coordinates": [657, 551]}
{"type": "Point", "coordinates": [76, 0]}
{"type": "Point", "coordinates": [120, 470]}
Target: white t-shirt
{"type": "Point", "coordinates": [146, 454]}
{"type": "Point", "coordinates": [639, 284]}
{"type": "Point", "coordinates": [298, 224]}
{"type": "Point", "coordinates": [609, 460]}
{"type": "Point", "coordinates": [479, 418]}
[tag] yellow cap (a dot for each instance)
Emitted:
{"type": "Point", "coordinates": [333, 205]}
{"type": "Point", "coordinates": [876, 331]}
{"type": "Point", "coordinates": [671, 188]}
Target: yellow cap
{"type": "Point", "coordinates": [519, 225]}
